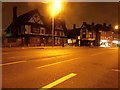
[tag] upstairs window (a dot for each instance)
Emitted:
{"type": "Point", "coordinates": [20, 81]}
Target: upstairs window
{"type": "Point", "coordinates": [35, 29]}
{"type": "Point", "coordinates": [42, 30]}
{"type": "Point", "coordinates": [27, 29]}
{"type": "Point", "coordinates": [59, 27]}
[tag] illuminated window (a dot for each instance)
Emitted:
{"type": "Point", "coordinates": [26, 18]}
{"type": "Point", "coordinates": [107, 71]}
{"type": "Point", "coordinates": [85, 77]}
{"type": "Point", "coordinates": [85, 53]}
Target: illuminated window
{"type": "Point", "coordinates": [27, 29]}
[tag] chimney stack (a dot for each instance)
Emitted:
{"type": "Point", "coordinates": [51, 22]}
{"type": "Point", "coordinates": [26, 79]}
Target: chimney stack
{"type": "Point", "coordinates": [74, 26]}
{"type": "Point", "coordinates": [93, 23]}
{"type": "Point", "coordinates": [14, 13]}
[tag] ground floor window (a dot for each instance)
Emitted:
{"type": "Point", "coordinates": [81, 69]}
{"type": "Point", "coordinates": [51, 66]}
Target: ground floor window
{"type": "Point", "coordinates": [11, 40]}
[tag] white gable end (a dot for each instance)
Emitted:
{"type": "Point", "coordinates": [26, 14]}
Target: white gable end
{"type": "Point", "coordinates": [36, 19]}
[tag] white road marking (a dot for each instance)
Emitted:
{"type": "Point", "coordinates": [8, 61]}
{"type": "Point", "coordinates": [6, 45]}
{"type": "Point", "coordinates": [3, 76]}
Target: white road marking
{"type": "Point", "coordinates": [113, 48]}
{"type": "Point", "coordinates": [58, 81]}
{"type": "Point", "coordinates": [56, 63]}
{"type": "Point", "coordinates": [116, 70]}
{"type": "Point", "coordinates": [4, 53]}
{"type": "Point", "coordinates": [12, 63]}
{"type": "Point", "coordinates": [52, 58]}
{"type": "Point", "coordinates": [96, 54]}
{"type": "Point", "coordinates": [16, 57]}
{"type": "Point", "coordinates": [11, 57]}
{"type": "Point", "coordinates": [100, 53]}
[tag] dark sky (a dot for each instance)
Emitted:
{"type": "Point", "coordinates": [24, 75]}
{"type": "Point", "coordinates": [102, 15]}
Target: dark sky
{"type": "Point", "coordinates": [73, 12]}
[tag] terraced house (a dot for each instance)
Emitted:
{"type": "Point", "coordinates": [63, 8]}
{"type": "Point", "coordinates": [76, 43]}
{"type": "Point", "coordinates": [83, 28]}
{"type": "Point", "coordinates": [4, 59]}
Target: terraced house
{"type": "Point", "coordinates": [33, 29]}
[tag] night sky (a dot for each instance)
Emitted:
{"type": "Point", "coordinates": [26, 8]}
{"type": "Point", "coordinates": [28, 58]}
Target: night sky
{"type": "Point", "coordinates": [73, 12]}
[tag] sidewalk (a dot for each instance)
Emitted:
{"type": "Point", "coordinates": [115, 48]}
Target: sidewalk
{"type": "Point", "coordinates": [4, 49]}
{"type": "Point", "coordinates": [37, 47]}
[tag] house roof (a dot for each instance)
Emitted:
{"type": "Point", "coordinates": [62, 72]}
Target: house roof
{"type": "Point", "coordinates": [97, 27]}
{"type": "Point", "coordinates": [27, 16]}
{"type": "Point", "coordinates": [72, 33]}
{"type": "Point", "coordinates": [24, 18]}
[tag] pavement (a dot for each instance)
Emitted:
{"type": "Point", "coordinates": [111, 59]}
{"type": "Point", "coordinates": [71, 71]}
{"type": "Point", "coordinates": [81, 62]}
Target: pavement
{"type": "Point", "coordinates": [4, 49]}
{"type": "Point", "coordinates": [44, 47]}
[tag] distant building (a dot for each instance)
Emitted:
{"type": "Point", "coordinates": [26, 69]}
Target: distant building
{"type": "Point", "coordinates": [33, 29]}
{"type": "Point", "coordinates": [87, 34]}
{"type": "Point", "coordinates": [92, 35]}
{"type": "Point", "coordinates": [73, 36]}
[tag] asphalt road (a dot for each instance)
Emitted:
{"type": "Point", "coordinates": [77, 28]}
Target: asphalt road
{"type": "Point", "coordinates": [82, 67]}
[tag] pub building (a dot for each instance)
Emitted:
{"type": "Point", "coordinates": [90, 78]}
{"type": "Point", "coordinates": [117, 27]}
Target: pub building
{"type": "Point", "coordinates": [33, 29]}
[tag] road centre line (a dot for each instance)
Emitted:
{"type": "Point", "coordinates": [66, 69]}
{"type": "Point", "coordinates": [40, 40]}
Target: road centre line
{"type": "Point", "coordinates": [56, 63]}
{"type": "Point", "coordinates": [96, 54]}
{"type": "Point", "coordinates": [53, 57]}
{"type": "Point", "coordinates": [12, 57]}
{"type": "Point", "coordinates": [58, 81]}
{"type": "Point", "coordinates": [28, 56]}
{"type": "Point", "coordinates": [116, 70]}
{"type": "Point", "coordinates": [23, 61]}
{"type": "Point", "coordinates": [4, 53]}
{"type": "Point", "coordinates": [12, 63]}
{"type": "Point", "coordinates": [100, 53]}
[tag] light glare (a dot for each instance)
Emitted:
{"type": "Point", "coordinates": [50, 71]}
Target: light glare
{"type": "Point", "coordinates": [116, 27]}
{"type": "Point", "coordinates": [56, 7]}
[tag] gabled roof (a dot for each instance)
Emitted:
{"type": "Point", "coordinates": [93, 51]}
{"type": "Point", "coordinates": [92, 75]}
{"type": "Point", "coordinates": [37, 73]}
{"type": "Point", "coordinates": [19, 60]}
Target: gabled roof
{"type": "Point", "coordinates": [97, 27]}
{"type": "Point", "coordinates": [22, 19]}
{"type": "Point", "coordinates": [27, 16]}
{"type": "Point", "coordinates": [72, 33]}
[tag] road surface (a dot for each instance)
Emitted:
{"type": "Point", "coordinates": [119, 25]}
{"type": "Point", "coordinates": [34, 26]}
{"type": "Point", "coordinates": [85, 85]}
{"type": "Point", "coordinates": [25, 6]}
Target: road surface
{"type": "Point", "coordinates": [70, 67]}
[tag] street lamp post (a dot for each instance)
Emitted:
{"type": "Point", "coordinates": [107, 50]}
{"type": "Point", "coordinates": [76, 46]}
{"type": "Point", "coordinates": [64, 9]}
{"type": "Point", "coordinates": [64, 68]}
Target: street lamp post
{"type": "Point", "coordinates": [52, 30]}
{"type": "Point", "coordinates": [56, 7]}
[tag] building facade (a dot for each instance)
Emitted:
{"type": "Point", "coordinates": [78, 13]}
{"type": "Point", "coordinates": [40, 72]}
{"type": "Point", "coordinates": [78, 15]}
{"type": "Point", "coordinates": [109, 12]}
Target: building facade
{"type": "Point", "coordinates": [92, 35]}
{"type": "Point", "coordinates": [33, 29]}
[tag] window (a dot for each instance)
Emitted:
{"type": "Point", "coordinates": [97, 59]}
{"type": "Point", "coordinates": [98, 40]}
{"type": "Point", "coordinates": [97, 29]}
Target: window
{"type": "Point", "coordinates": [42, 30]}
{"type": "Point", "coordinates": [55, 32]}
{"type": "Point", "coordinates": [27, 29]}
{"type": "Point", "coordinates": [90, 35]}
{"type": "Point", "coordinates": [22, 29]}
{"type": "Point", "coordinates": [35, 29]}
{"type": "Point", "coordinates": [63, 34]}
{"type": "Point", "coordinates": [59, 27]}
{"type": "Point", "coordinates": [11, 40]}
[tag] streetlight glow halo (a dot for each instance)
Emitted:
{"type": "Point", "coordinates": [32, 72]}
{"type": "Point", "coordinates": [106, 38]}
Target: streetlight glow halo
{"type": "Point", "coordinates": [116, 27]}
{"type": "Point", "coordinates": [56, 7]}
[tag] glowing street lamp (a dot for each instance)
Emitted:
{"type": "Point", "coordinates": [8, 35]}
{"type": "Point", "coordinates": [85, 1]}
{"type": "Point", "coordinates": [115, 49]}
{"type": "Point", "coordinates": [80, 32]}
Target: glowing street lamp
{"type": "Point", "coordinates": [55, 9]}
{"type": "Point", "coordinates": [116, 27]}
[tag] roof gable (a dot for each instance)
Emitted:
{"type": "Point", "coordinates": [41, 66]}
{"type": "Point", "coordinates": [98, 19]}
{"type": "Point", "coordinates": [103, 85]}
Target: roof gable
{"type": "Point", "coordinates": [32, 16]}
{"type": "Point", "coordinates": [36, 18]}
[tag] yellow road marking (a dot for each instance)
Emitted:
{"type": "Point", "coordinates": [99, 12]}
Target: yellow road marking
{"type": "Point", "coordinates": [12, 63]}
{"type": "Point", "coordinates": [56, 63]}
{"type": "Point", "coordinates": [58, 81]}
